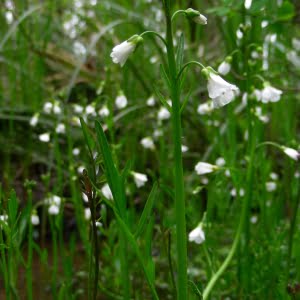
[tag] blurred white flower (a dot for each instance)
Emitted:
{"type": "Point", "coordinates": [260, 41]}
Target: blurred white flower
{"type": "Point", "coordinates": [76, 151]}
{"type": "Point", "coordinates": [157, 133]}
{"type": "Point", "coordinates": [247, 4]}
{"type": "Point", "coordinates": [85, 197]}
{"type": "Point", "coordinates": [106, 191]}
{"type": "Point", "coordinates": [87, 214]}
{"type": "Point", "coordinates": [233, 192]}
{"type": "Point", "coordinates": [270, 94]}
{"type": "Point", "coordinates": [120, 53]}
{"type": "Point", "coordinates": [56, 108]}
{"type": "Point", "coordinates": [292, 153]}
{"type": "Point", "coordinates": [184, 148]}
{"type": "Point", "coordinates": [219, 90]}
{"type": "Point", "coordinates": [151, 101]}
{"type": "Point", "coordinates": [220, 162]}
{"type": "Point", "coordinates": [35, 220]}
{"type": "Point", "coordinates": [163, 114]}
{"type": "Point", "coordinates": [80, 169]}
{"type": "Point", "coordinates": [78, 108]}
{"type": "Point", "coordinates": [296, 44]}
{"type": "Point", "coordinates": [205, 108]}
{"type": "Point", "coordinates": [147, 143]}
{"type": "Point", "coordinates": [197, 235]}
{"type": "Point", "coordinates": [53, 209]}
{"type": "Point", "coordinates": [139, 179]}
{"type": "Point", "coordinates": [253, 219]}
{"type": "Point", "coordinates": [60, 128]}
{"type": "Point", "coordinates": [34, 119]}
{"type": "Point", "coordinates": [47, 107]}
{"type": "Point", "coordinates": [103, 112]}
{"type": "Point", "coordinates": [90, 110]}
{"type": "Point", "coordinates": [204, 168]}
{"type": "Point", "coordinates": [121, 101]}
{"type": "Point", "coordinates": [79, 49]}
{"type": "Point", "coordinates": [44, 137]}
{"type": "Point", "coordinates": [293, 58]}
{"type": "Point", "coordinates": [271, 186]}
{"type": "Point", "coordinates": [224, 68]}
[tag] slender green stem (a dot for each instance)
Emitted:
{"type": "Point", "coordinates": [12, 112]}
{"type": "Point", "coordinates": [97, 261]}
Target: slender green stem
{"type": "Point", "coordinates": [188, 65]}
{"type": "Point", "coordinates": [155, 34]}
{"type": "Point", "coordinates": [30, 248]}
{"type": "Point", "coordinates": [176, 13]}
{"type": "Point", "coordinates": [181, 239]}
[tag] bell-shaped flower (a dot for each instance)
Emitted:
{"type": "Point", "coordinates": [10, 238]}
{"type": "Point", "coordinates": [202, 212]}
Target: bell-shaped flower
{"type": "Point", "coordinates": [270, 94]}
{"type": "Point", "coordinates": [120, 53]}
{"type": "Point", "coordinates": [205, 168]}
{"type": "Point", "coordinates": [220, 91]}
{"type": "Point", "coordinates": [106, 191]}
{"type": "Point", "coordinates": [292, 153]}
{"type": "Point", "coordinates": [197, 235]}
{"type": "Point", "coordinates": [225, 67]}
{"type": "Point", "coordinates": [121, 101]}
{"type": "Point", "coordinates": [195, 16]}
{"type": "Point", "coordinates": [139, 179]}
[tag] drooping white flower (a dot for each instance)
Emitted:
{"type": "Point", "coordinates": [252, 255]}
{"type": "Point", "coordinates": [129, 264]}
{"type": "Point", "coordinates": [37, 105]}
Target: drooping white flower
{"type": "Point", "coordinates": [151, 101]}
{"type": "Point", "coordinates": [121, 101]}
{"type": "Point", "coordinates": [90, 110]}
{"type": "Point", "coordinates": [53, 210]}
{"type": "Point", "coordinates": [87, 214]}
{"type": "Point", "coordinates": [77, 108]}
{"type": "Point", "coordinates": [184, 148]}
{"type": "Point", "coordinates": [220, 162]}
{"type": "Point", "coordinates": [195, 16]}
{"type": "Point", "coordinates": [225, 67]}
{"type": "Point", "coordinates": [219, 90]}
{"type": "Point", "coordinates": [56, 108]}
{"type": "Point", "coordinates": [271, 186]}
{"type": "Point", "coordinates": [120, 53]}
{"type": "Point", "coordinates": [85, 197]}
{"type": "Point", "coordinates": [197, 235]}
{"type": "Point", "coordinates": [163, 114]}
{"type": "Point", "coordinates": [47, 107]}
{"type": "Point", "coordinates": [103, 112]}
{"type": "Point", "coordinates": [205, 168]}
{"type": "Point", "coordinates": [106, 191]}
{"type": "Point", "coordinates": [247, 4]}
{"type": "Point", "coordinates": [76, 151]}
{"type": "Point", "coordinates": [44, 137]}
{"type": "Point", "coordinates": [270, 94]}
{"type": "Point", "coordinates": [60, 128]}
{"type": "Point", "coordinates": [147, 143]}
{"type": "Point", "coordinates": [205, 108]}
{"type": "Point", "coordinates": [34, 119]}
{"type": "Point", "coordinates": [274, 176]}
{"type": "Point", "coordinates": [139, 179]}
{"type": "Point", "coordinates": [254, 219]}
{"type": "Point", "coordinates": [35, 220]}
{"type": "Point", "coordinates": [292, 153]}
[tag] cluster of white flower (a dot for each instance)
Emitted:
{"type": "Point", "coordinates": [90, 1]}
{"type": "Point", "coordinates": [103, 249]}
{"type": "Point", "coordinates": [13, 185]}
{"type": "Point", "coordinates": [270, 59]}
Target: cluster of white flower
{"type": "Point", "coordinates": [54, 203]}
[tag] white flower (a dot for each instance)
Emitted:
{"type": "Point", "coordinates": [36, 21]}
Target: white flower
{"type": "Point", "coordinates": [87, 213]}
{"type": "Point", "coordinates": [273, 176]}
{"type": "Point", "coordinates": [253, 219]}
{"type": "Point", "coordinates": [270, 94]}
{"type": "Point", "coordinates": [147, 143]}
{"type": "Point", "coordinates": [204, 168]}
{"type": "Point", "coordinates": [85, 198]}
{"type": "Point", "coordinates": [296, 44]}
{"type": "Point", "coordinates": [219, 90]}
{"type": "Point", "coordinates": [293, 57]}
{"type": "Point", "coordinates": [233, 192]}
{"type": "Point", "coordinates": [157, 133]}
{"type": "Point", "coordinates": [77, 108]}
{"type": "Point", "coordinates": [53, 209]}
{"type": "Point", "coordinates": [80, 169]}
{"type": "Point", "coordinates": [3, 218]}
{"type": "Point", "coordinates": [224, 68]}
{"type": "Point", "coordinates": [257, 94]}
{"type": "Point", "coordinates": [34, 120]}
{"type": "Point", "coordinates": [151, 101]}
{"type": "Point", "coordinates": [139, 179]}
{"type": "Point", "coordinates": [163, 114]}
{"type": "Point", "coordinates": [120, 53]}
{"type": "Point", "coordinates": [90, 110]}
{"type": "Point", "coordinates": [35, 220]}
{"type": "Point", "coordinates": [121, 101]}
{"type": "Point", "coordinates": [195, 16]}
{"type": "Point", "coordinates": [103, 112]}
{"type": "Point", "coordinates": [184, 148]}
{"type": "Point", "coordinates": [56, 108]}
{"type": "Point", "coordinates": [205, 108]}
{"type": "Point", "coordinates": [76, 151]}
{"type": "Point", "coordinates": [106, 191]}
{"type": "Point", "coordinates": [247, 4]}
{"type": "Point", "coordinates": [271, 186]}
{"type": "Point", "coordinates": [292, 153]}
{"type": "Point", "coordinates": [60, 128]}
{"type": "Point", "coordinates": [44, 137]}
{"type": "Point", "coordinates": [197, 235]}
{"type": "Point", "coordinates": [220, 162]}
{"type": "Point", "coordinates": [47, 107]}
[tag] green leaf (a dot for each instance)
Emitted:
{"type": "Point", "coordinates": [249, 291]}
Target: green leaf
{"type": "Point", "coordinates": [162, 99]}
{"type": "Point", "coordinates": [286, 11]}
{"type": "Point", "coordinates": [113, 178]}
{"type": "Point", "coordinates": [180, 53]}
{"type": "Point", "coordinates": [87, 136]}
{"type": "Point", "coordinates": [165, 76]}
{"type": "Point", "coordinates": [147, 211]}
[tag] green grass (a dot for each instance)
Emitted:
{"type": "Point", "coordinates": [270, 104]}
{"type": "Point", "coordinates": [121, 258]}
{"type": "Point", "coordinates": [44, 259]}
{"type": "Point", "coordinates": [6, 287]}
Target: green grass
{"type": "Point", "coordinates": [133, 247]}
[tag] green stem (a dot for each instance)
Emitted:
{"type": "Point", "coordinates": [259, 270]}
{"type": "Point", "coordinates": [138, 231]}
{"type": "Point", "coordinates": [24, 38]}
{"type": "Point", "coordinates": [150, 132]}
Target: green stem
{"type": "Point", "coordinates": [187, 65]}
{"type": "Point", "coordinates": [181, 239]}
{"type": "Point", "coordinates": [30, 248]}
{"type": "Point", "coordinates": [155, 34]}
{"type": "Point", "coordinates": [176, 13]}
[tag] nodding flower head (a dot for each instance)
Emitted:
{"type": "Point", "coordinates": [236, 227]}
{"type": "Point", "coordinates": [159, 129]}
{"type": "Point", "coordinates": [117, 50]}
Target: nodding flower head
{"type": "Point", "coordinates": [120, 53]}
{"type": "Point", "coordinates": [195, 16]}
{"type": "Point", "coordinates": [220, 91]}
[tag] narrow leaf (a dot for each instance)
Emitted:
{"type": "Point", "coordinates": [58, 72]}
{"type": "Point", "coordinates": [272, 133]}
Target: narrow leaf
{"type": "Point", "coordinates": [180, 53]}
